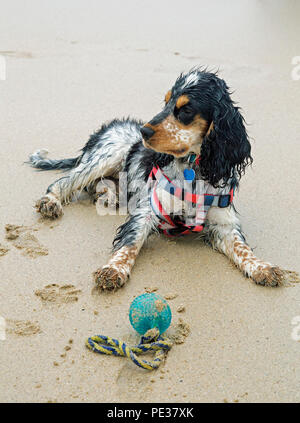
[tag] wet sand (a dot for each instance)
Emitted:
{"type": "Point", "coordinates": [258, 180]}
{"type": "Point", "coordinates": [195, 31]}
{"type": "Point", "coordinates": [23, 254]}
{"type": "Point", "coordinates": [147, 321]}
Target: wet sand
{"type": "Point", "coordinates": [71, 67]}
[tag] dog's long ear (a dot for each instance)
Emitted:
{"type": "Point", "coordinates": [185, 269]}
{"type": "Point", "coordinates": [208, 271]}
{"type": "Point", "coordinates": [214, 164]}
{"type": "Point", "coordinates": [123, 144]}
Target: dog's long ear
{"type": "Point", "coordinates": [226, 150]}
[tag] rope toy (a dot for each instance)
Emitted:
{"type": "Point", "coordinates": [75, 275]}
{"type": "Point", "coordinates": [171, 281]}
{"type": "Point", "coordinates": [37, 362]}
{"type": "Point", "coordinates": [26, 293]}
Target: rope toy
{"type": "Point", "coordinates": [149, 314]}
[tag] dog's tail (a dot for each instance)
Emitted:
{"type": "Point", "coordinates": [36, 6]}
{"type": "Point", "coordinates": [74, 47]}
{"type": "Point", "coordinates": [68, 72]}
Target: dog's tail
{"type": "Point", "coordinates": [39, 160]}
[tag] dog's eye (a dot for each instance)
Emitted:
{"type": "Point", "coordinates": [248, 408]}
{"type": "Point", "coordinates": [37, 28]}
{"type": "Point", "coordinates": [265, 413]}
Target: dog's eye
{"type": "Point", "coordinates": [185, 114]}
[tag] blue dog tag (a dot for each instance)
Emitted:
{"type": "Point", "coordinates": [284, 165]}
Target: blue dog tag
{"type": "Point", "coordinates": [189, 175]}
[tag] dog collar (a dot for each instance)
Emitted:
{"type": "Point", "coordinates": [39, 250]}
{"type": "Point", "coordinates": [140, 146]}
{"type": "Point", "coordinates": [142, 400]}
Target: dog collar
{"type": "Point", "coordinates": [189, 174]}
{"type": "Point", "coordinates": [194, 158]}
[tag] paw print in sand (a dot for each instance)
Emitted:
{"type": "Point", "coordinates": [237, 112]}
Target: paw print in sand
{"type": "Point", "coordinates": [23, 239]}
{"type": "Point", "coordinates": [54, 293]}
{"type": "Point", "coordinates": [22, 327]}
{"type": "Point", "coordinates": [3, 250]}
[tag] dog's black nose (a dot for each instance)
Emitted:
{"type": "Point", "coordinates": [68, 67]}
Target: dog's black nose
{"type": "Point", "coordinates": [147, 132]}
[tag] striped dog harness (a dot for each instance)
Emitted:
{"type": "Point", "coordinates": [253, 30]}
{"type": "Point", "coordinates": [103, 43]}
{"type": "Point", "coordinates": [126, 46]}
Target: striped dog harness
{"type": "Point", "coordinates": [202, 202]}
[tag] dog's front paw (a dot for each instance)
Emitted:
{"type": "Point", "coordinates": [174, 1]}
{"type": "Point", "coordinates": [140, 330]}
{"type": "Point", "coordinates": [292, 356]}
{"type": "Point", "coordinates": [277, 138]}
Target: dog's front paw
{"type": "Point", "coordinates": [49, 207]}
{"type": "Point", "coordinates": [110, 278]}
{"type": "Point", "coordinates": [268, 275]}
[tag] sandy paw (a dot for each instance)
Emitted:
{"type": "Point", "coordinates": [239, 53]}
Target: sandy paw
{"type": "Point", "coordinates": [54, 293]}
{"type": "Point", "coordinates": [268, 276]}
{"type": "Point", "coordinates": [109, 278]}
{"type": "Point", "coordinates": [49, 207]}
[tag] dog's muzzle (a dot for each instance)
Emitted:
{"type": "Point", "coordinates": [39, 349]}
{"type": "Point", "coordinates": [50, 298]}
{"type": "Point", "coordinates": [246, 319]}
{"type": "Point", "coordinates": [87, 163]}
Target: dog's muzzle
{"type": "Point", "coordinates": [147, 132]}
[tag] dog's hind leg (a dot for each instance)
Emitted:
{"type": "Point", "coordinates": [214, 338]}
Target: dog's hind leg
{"type": "Point", "coordinates": [80, 177]}
{"type": "Point", "coordinates": [103, 156]}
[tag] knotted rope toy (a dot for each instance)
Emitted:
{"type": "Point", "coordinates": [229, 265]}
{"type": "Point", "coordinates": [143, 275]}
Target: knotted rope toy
{"type": "Point", "coordinates": [150, 315]}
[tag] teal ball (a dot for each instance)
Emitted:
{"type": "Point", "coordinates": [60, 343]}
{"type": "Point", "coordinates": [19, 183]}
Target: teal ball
{"type": "Point", "coordinates": [148, 311]}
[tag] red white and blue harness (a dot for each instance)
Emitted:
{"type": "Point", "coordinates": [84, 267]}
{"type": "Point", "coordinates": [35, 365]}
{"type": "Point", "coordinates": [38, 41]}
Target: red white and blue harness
{"type": "Point", "coordinates": [202, 202]}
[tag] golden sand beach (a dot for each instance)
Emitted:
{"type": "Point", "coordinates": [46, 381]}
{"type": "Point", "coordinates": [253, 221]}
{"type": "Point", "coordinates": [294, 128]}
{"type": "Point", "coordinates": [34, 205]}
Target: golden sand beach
{"type": "Point", "coordinates": [72, 65]}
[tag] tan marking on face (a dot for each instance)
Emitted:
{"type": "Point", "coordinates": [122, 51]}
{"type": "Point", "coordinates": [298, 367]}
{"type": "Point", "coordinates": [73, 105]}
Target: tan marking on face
{"type": "Point", "coordinates": [182, 101]}
{"type": "Point", "coordinates": [168, 96]}
{"type": "Point", "coordinates": [173, 137]}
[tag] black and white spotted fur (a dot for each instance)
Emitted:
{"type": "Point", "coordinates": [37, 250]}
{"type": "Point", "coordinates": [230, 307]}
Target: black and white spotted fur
{"type": "Point", "coordinates": [120, 146]}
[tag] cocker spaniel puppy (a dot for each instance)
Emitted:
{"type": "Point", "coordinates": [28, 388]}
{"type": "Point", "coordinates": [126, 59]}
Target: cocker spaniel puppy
{"type": "Point", "coordinates": [182, 168]}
